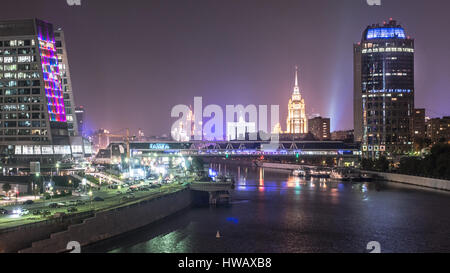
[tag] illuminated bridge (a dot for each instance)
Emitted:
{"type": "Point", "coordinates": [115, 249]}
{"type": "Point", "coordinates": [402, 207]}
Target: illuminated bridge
{"type": "Point", "coordinates": [300, 149]}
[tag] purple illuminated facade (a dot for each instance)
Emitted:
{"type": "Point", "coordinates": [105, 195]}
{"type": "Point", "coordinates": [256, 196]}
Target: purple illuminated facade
{"type": "Point", "coordinates": [50, 70]}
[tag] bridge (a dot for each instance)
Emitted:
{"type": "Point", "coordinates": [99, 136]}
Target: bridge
{"type": "Point", "coordinates": [231, 149]}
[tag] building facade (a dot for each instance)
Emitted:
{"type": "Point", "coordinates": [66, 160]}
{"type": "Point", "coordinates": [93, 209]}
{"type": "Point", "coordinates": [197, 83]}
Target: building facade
{"type": "Point", "coordinates": [418, 126]}
{"type": "Point", "coordinates": [33, 120]}
{"type": "Point", "coordinates": [79, 115]}
{"type": "Point", "coordinates": [438, 130]}
{"type": "Point", "coordinates": [320, 128]}
{"type": "Point", "coordinates": [297, 122]}
{"type": "Point", "coordinates": [66, 82]}
{"type": "Point", "coordinates": [384, 90]}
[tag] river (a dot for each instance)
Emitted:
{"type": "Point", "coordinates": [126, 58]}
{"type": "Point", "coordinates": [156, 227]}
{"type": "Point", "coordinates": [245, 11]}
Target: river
{"type": "Point", "coordinates": [272, 211]}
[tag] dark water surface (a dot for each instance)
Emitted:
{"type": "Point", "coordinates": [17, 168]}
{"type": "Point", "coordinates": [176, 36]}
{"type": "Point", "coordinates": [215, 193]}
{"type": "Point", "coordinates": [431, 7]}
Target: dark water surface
{"type": "Point", "coordinates": [275, 212]}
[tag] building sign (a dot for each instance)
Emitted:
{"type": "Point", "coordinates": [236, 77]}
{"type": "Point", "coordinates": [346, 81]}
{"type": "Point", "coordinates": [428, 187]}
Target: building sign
{"type": "Point", "coordinates": [159, 146]}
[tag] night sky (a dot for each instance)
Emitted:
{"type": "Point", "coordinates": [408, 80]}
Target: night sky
{"type": "Point", "coordinates": [131, 61]}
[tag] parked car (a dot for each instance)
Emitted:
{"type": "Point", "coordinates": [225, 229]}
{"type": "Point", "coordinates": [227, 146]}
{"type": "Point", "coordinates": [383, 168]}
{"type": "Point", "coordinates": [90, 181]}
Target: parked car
{"type": "Point", "coordinates": [46, 212]}
{"type": "Point", "coordinates": [3, 211]}
{"type": "Point", "coordinates": [72, 209]}
{"type": "Point", "coordinates": [37, 212]}
{"type": "Point", "coordinates": [53, 205]}
{"type": "Point", "coordinates": [98, 199]}
{"type": "Point", "coordinates": [24, 212]}
{"type": "Point", "coordinates": [28, 202]}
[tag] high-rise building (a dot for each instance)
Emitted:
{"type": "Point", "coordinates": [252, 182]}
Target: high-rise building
{"type": "Point", "coordinates": [66, 82]}
{"type": "Point", "coordinates": [418, 126]}
{"type": "Point", "coordinates": [384, 90]}
{"type": "Point", "coordinates": [438, 129]}
{"type": "Point", "coordinates": [297, 122]}
{"type": "Point", "coordinates": [320, 128]}
{"type": "Point", "coordinates": [79, 115]}
{"type": "Point", "coordinates": [33, 120]}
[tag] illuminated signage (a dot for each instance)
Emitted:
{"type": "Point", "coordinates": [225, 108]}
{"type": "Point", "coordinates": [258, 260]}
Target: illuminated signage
{"type": "Point", "coordinates": [386, 33]}
{"type": "Point", "coordinates": [159, 146]}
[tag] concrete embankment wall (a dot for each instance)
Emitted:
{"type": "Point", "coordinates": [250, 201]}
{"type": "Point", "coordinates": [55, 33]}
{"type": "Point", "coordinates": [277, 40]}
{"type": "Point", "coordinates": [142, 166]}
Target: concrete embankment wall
{"type": "Point", "coordinates": [414, 180]}
{"type": "Point", "coordinates": [107, 224]}
{"type": "Point", "coordinates": [14, 239]}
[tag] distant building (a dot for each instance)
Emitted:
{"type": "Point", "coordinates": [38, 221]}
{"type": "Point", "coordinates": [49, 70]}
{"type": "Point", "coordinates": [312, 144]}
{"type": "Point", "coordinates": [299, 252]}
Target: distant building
{"type": "Point", "coordinates": [79, 114]}
{"type": "Point", "coordinates": [418, 124]}
{"type": "Point", "coordinates": [297, 122]}
{"type": "Point", "coordinates": [384, 90]}
{"type": "Point", "coordinates": [320, 128]}
{"type": "Point", "coordinates": [438, 129]}
{"type": "Point", "coordinates": [346, 136]}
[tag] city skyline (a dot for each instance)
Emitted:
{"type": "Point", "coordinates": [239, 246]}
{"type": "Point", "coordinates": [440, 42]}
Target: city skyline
{"type": "Point", "coordinates": [245, 66]}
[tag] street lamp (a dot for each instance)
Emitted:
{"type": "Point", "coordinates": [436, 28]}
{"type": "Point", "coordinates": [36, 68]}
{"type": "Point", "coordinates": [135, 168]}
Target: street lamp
{"type": "Point", "coordinates": [90, 196]}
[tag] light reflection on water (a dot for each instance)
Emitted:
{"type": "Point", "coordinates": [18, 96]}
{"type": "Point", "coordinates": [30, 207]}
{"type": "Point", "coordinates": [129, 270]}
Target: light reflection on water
{"type": "Point", "coordinates": [273, 211]}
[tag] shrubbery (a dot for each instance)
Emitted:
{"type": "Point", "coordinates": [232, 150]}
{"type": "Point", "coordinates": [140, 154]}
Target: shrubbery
{"type": "Point", "coordinates": [436, 164]}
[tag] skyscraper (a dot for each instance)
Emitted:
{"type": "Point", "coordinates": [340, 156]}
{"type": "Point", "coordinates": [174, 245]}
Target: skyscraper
{"type": "Point", "coordinates": [66, 82]}
{"type": "Point", "coordinates": [384, 90]}
{"type": "Point", "coordinates": [79, 115]}
{"type": "Point", "coordinates": [297, 123]}
{"type": "Point", "coordinates": [320, 128]}
{"type": "Point", "coordinates": [33, 120]}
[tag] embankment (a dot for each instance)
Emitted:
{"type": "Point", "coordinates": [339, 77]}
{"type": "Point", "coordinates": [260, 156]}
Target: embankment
{"type": "Point", "coordinates": [432, 183]}
{"type": "Point", "coordinates": [101, 225]}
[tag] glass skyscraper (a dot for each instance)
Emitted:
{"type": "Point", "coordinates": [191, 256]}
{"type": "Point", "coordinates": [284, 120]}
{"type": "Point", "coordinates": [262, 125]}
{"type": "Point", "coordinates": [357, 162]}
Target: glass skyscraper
{"type": "Point", "coordinates": [33, 110]}
{"type": "Point", "coordinates": [384, 90]}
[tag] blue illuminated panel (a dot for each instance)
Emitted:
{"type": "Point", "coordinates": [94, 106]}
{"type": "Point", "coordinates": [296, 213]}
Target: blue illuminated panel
{"type": "Point", "coordinates": [386, 33]}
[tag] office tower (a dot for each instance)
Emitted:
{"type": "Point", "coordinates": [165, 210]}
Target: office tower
{"type": "Point", "coordinates": [438, 130]}
{"type": "Point", "coordinates": [79, 115]}
{"type": "Point", "coordinates": [66, 83]}
{"type": "Point", "coordinates": [320, 128]}
{"type": "Point", "coordinates": [33, 121]}
{"type": "Point", "coordinates": [418, 126]}
{"type": "Point", "coordinates": [297, 123]}
{"type": "Point", "coordinates": [384, 90]}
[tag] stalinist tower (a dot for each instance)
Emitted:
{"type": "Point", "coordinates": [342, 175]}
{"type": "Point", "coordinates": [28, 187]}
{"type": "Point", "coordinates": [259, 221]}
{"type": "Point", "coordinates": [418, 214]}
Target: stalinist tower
{"type": "Point", "coordinates": [297, 123]}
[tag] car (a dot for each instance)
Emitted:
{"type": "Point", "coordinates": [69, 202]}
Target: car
{"type": "Point", "coordinates": [98, 199]}
{"type": "Point", "coordinates": [62, 204]}
{"type": "Point", "coordinates": [53, 205]}
{"type": "Point", "coordinates": [37, 212]}
{"type": "Point", "coordinates": [22, 212]}
{"type": "Point", "coordinates": [3, 211]}
{"type": "Point", "coordinates": [46, 212]}
{"type": "Point", "coordinates": [28, 202]}
{"type": "Point", "coordinates": [72, 209]}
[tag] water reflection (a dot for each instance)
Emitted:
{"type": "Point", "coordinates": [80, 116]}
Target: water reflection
{"type": "Point", "coordinates": [273, 211]}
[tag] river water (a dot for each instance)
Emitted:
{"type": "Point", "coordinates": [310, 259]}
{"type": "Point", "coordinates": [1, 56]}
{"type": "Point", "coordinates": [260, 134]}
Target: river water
{"type": "Point", "coordinates": [275, 212]}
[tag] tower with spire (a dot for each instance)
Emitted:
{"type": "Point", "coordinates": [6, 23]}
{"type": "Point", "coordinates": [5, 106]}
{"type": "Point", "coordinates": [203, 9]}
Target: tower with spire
{"type": "Point", "coordinates": [297, 123]}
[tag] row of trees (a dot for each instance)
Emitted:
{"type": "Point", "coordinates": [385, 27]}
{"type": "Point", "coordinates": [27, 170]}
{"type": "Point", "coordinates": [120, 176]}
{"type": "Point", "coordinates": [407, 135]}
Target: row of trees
{"type": "Point", "coordinates": [380, 165]}
{"type": "Point", "coordinates": [436, 164]}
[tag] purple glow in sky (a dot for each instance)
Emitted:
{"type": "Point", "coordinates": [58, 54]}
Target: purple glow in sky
{"type": "Point", "coordinates": [131, 61]}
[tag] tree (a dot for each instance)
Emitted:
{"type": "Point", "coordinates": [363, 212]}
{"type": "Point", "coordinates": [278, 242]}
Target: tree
{"type": "Point", "coordinates": [382, 164]}
{"type": "Point", "coordinates": [6, 187]}
{"type": "Point", "coordinates": [366, 164]}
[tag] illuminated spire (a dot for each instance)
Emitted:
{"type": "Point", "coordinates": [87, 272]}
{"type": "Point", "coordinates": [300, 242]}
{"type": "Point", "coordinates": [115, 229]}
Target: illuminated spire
{"type": "Point", "coordinates": [296, 88]}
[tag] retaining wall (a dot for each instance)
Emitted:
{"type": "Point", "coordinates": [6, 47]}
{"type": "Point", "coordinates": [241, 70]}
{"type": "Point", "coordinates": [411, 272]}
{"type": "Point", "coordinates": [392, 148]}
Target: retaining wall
{"type": "Point", "coordinates": [414, 180]}
{"type": "Point", "coordinates": [107, 224]}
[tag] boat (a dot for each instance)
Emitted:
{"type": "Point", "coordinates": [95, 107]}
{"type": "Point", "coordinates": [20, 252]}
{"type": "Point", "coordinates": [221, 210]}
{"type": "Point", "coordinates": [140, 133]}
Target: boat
{"type": "Point", "coordinates": [340, 174]}
{"type": "Point", "coordinates": [302, 172]}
